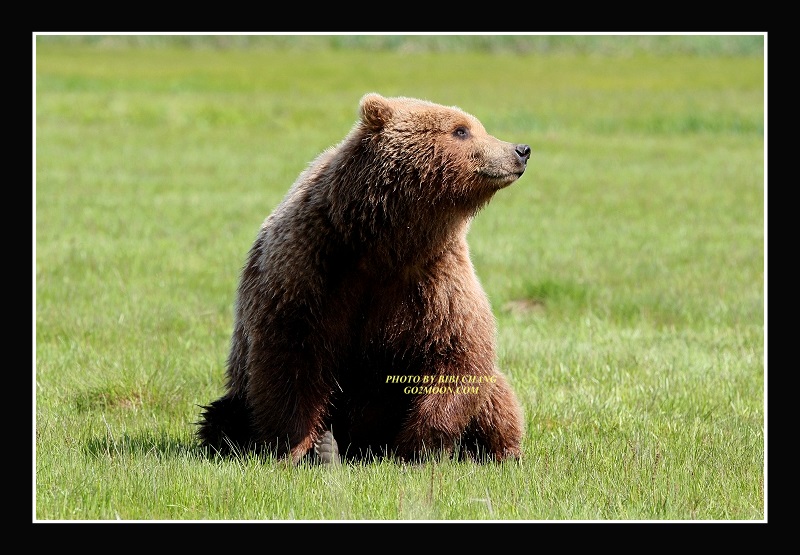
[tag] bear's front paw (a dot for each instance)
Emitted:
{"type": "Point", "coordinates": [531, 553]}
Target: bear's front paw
{"type": "Point", "coordinates": [414, 449]}
{"type": "Point", "coordinates": [510, 453]}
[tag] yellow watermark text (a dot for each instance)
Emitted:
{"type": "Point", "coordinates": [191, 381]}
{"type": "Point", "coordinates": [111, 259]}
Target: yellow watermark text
{"type": "Point", "coordinates": [443, 384]}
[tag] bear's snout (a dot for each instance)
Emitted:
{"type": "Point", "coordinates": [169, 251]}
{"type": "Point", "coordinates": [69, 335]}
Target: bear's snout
{"type": "Point", "coordinates": [523, 152]}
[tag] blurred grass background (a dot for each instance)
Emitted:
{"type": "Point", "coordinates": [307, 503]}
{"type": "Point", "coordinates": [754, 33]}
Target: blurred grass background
{"type": "Point", "coordinates": [590, 44]}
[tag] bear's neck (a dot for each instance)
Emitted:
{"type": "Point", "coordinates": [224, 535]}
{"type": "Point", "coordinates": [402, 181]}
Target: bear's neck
{"type": "Point", "coordinates": [412, 247]}
{"type": "Point", "coordinates": [397, 246]}
{"type": "Point", "coordinates": [398, 219]}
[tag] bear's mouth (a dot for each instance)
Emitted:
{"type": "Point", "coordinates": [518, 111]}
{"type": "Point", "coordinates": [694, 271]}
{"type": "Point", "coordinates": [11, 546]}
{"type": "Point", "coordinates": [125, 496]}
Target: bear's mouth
{"type": "Point", "coordinates": [501, 177]}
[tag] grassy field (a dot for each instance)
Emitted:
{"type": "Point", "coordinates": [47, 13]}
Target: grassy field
{"type": "Point", "coordinates": [625, 269]}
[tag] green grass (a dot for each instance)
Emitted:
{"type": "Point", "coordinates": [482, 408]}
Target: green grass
{"type": "Point", "coordinates": [626, 270]}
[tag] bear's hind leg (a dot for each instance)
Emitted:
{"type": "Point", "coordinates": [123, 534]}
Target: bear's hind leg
{"type": "Point", "coordinates": [497, 429]}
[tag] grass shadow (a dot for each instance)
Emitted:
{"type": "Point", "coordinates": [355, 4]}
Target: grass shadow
{"type": "Point", "coordinates": [160, 444]}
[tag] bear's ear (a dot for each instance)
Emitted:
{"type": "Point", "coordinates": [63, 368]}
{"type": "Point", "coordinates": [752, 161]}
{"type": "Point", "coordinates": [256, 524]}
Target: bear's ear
{"type": "Point", "coordinates": [375, 111]}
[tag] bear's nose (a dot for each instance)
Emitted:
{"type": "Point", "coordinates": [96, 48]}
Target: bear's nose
{"type": "Point", "coordinates": [524, 152]}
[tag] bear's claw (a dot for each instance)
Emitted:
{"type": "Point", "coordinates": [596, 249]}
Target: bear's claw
{"type": "Point", "coordinates": [326, 448]}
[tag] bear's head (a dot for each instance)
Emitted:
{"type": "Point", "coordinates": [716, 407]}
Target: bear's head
{"type": "Point", "coordinates": [411, 174]}
{"type": "Point", "coordinates": [443, 153]}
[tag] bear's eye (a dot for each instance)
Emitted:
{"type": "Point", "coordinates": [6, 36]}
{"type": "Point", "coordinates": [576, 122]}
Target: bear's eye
{"type": "Point", "coordinates": [461, 132]}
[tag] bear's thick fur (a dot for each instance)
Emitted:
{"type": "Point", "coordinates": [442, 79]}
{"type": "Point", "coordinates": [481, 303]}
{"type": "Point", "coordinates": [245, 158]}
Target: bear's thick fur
{"type": "Point", "coordinates": [358, 306]}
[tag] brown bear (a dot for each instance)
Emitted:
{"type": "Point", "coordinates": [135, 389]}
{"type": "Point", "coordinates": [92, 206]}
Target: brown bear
{"type": "Point", "coordinates": [360, 325]}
